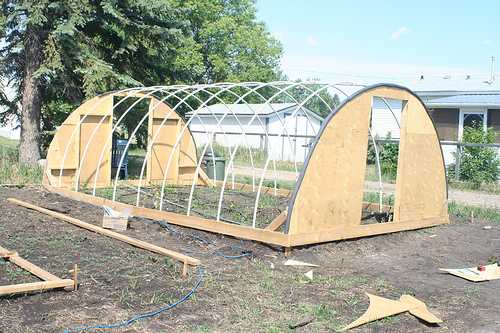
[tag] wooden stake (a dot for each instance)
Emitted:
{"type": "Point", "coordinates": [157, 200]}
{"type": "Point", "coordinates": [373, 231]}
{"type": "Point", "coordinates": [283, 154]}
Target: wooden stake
{"type": "Point", "coordinates": [184, 269]}
{"type": "Point", "coordinates": [288, 251]}
{"type": "Point", "coordinates": [75, 277]}
{"type": "Point", "coordinates": [109, 233]}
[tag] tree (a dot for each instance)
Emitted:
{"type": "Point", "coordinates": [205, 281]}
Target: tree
{"type": "Point", "coordinates": [57, 53]}
{"type": "Point", "coordinates": [228, 42]}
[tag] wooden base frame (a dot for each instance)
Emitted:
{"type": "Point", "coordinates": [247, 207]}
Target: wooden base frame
{"type": "Point", "coordinates": [50, 281]}
{"type": "Point", "coordinates": [261, 235]}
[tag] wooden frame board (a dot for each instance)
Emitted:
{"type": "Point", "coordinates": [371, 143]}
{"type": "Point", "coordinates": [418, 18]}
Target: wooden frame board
{"type": "Point", "coordinates": [50, 281]}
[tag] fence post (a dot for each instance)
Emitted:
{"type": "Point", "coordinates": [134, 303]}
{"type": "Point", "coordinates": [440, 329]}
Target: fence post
{"type": "Point", "coordinates": [457, 161]}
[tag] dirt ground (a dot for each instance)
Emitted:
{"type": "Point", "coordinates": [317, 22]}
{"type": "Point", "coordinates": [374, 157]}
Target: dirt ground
{"type": "Point", "coordinates": [250, 294]}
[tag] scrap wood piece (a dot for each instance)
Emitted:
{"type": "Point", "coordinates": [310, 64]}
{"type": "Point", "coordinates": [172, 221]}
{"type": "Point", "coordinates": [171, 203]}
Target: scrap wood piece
{"type": "Point", "coordinates": [490, 272]}
{"type": "Point", "coordinates": [305, 321]}
{"type": "Point", "coordinates": [277, 222]}
{"type": "Point", "coordinates": [50, 280]}
{"type": "Point", "coordinates": [135, 242]}
{"type": "Point", "coordinates": [381, 307]}
{"type": "Point", "coordinates": [291, 262]}
{"type": "Point", "coordinates": [14, 258]}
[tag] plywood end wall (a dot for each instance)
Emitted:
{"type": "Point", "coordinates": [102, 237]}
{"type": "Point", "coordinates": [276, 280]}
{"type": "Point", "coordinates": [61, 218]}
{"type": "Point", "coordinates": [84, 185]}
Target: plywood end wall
{"type": "Point", "coordinates": [330, 191]}
{"type": "Point", "coordinates": [93, 121]}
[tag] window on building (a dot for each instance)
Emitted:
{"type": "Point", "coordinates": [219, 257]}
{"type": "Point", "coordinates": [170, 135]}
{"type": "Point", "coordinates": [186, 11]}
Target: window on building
{"type": "Point", "coordinates": [476, 119]}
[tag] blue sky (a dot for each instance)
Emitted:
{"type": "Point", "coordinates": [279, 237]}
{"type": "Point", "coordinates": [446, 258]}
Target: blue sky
{"type": "Point", "coordinates": [385, 40]}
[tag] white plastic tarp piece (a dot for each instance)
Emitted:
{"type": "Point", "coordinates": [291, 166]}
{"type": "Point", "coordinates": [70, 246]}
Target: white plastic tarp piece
{"type": "Point", "coordinates": [291, 262]}
{"type": "Point", "coordinates": [309, 275]}
{"type": "Point", "coordinates": [491, 272]}
{"type": "Point", "coordinates": [108, 211]}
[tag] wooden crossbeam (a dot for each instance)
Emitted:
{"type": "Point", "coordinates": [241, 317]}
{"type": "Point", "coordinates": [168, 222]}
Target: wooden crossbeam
{"type": "Point", "coordinates": [112, 234]}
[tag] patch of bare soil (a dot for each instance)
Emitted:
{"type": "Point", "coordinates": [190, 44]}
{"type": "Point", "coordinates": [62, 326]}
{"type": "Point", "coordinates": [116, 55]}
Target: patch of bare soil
{"type": "Point", "coordinates": [250, 294]}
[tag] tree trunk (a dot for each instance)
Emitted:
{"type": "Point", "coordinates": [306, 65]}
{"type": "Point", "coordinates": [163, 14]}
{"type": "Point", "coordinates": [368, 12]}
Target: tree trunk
{"type": "Point", "coordinates": [29, 146]}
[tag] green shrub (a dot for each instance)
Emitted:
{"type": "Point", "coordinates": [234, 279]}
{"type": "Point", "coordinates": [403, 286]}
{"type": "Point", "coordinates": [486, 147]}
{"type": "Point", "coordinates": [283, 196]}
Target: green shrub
{"type": "Point", "coordinates": [478, 165]}
{"type": "Point", "coordinates": [371, 157]}
{"type": "Point", "coordinates": [389, 158]}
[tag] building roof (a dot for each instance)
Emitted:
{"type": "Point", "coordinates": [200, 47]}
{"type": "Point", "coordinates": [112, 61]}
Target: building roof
{"type": "Point", "coordinates": [490, 99]}
{"type": "Point", "coordinates": [249, 109]}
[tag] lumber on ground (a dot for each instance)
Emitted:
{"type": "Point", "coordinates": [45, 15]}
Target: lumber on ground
{"type": "Point", "coordinates": [33, 269]}
{"type": "Point", "coordinates": [138, 243]}
{"type": "Point", "coordinates": [50, 280]}
{"type": "Point", "coordinates": [36, 286]}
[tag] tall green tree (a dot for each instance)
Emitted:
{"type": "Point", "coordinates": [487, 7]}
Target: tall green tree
{"type": "Point", "coordinates": [231, 44]}
{"type": "Point", "coordinates": [57, 53]}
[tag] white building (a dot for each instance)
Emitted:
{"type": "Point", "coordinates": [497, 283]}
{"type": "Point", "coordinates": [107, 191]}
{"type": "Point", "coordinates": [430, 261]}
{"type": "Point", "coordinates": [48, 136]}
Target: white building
{"type": "Point", "coordinates": [282, 129]}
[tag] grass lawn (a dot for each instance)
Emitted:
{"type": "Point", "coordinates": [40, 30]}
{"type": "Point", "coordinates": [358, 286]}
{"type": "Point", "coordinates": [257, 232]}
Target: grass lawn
{"type": "Point", "coordinates": [10, 171]}
{"type": "Point", "coordinates": [8, 143]}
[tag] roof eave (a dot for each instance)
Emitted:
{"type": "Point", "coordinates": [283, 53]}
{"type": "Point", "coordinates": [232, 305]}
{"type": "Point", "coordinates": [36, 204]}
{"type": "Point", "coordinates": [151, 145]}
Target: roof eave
{"type": "Point", "coordinates": [459, 105]}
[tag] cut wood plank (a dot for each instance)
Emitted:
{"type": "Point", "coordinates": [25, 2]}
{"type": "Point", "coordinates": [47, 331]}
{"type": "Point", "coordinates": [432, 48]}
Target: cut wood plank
{"type": "Point", "coordinates": [491, 272]}
{"type": "Point", "coordinates": [51, 281]}
{"type": "Point", "coordinates": [35, 286]}
{"type": "Point", "coordinates": [33, 269]}
{"type": "Point", "coordinates": [277, 222]}
{"type": "Point", "coordinates": [7, 255]}
{"type": "Point", "coordinates": [138, 243]}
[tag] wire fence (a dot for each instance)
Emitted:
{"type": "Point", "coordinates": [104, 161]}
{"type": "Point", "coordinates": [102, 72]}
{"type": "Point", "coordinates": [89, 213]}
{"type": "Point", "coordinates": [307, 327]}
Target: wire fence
{"type": "Point", "coordinates": [452, 157]}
